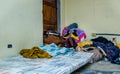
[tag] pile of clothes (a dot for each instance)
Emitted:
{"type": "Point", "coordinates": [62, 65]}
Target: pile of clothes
{"type": "Point", "coordinates": [102, 49]}
{"type": "Point", "coordinates": [72, 36]}
{"type": "Point", "coordinates": [112, 51]}
{"type": "Point", "coordinates": [100, 46]}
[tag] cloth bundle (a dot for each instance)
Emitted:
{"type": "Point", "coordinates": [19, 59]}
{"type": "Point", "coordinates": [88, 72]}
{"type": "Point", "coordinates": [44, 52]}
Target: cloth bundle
{"type": "Point", "coordinates": [72, 31]}
{"type": "Point", "coordinates": [34, 52]}
{"type": "Point", "coordinates": [98, 54]}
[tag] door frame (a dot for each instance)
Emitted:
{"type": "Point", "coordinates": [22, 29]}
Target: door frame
{"type": "Point", "coordinates": [58, 16]}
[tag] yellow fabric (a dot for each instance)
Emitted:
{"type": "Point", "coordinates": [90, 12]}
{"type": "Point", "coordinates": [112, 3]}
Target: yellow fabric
{"type": "Point", "coordinates": [75, 37]}
{"type": "Point", "coordinates": [118, 45]}
{"type": "Point", "coordinates": [85, 43]}
{"type": "Point", "coordinates": [34, 52]}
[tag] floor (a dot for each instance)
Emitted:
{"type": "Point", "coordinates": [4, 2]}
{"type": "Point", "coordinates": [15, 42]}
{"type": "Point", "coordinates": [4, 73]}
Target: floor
{"type": "Point", "coordinates": [101, 67]}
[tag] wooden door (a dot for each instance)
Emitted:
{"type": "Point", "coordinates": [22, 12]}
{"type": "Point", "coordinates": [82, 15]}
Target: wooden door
{"type": "Point", "coordinates": [49, 15]}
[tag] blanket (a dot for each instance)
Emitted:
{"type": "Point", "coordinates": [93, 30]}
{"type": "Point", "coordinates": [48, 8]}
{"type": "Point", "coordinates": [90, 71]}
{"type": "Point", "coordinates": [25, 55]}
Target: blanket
{"type": "Point", "coordinates": [55, 50]}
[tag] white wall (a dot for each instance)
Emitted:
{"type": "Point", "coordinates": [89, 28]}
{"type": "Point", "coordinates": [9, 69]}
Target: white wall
{"type": "Point", "coordinates": [62, 13]}
{"type": "Point", "coordinates": [93, 15]}
{"type": "Point", "coordinates": [20, 25]}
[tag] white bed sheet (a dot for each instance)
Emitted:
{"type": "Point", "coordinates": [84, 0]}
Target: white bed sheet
{"type": "Point", "coordinates": [56, 65]}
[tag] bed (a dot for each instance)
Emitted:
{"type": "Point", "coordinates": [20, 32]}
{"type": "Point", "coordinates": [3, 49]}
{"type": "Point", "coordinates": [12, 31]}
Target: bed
{"type": "Point", "coordinates": [63, 63]}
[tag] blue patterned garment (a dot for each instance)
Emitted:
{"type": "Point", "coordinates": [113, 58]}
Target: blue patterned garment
{"type": "Point", "coordinates": [55, 50]}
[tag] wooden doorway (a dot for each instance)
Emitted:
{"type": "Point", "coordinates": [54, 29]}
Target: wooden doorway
{"type": "Point", "coordinates": [50, 16]}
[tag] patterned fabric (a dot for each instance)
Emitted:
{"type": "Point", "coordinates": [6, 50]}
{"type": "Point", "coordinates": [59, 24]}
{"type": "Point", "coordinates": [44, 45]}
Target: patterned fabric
{"type": "Point", "coordinates": [55, 50]}
{"type": "Point", "coordinates": [61, 64]}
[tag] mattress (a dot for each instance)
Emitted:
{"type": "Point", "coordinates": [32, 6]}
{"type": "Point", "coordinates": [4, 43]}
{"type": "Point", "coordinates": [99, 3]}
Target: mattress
{"type": "Point", "coordinates": [60, 64]}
